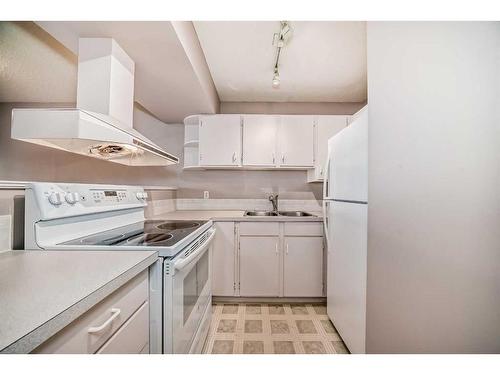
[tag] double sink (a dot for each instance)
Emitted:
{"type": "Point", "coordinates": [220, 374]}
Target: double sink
{"type": "Point", "coordinates": [279, 213]}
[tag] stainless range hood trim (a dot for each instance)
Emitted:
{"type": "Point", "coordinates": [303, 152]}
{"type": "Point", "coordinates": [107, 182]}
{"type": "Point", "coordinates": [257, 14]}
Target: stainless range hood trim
{"type": "Point", "coordinates": [137, 141]}
{"type": "Point", "coordinates": [155, 151]}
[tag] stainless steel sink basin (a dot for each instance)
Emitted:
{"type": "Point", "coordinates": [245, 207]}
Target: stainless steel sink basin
{"type": "Point", "coordinates": [260, 213]}
{"type": "Point", "coordinates": [294, 213]}
{"type": "Point", "coordinates": [280, 213]}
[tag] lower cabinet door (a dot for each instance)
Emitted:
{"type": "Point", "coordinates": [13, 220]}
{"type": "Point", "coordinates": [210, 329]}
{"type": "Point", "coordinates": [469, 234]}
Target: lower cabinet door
{"type": "Point", "coordinates": [303, 267]}
{"type": "Point", "coordinates": [223, 277]}
{"type": "Point", "coordinates": [259, 266]}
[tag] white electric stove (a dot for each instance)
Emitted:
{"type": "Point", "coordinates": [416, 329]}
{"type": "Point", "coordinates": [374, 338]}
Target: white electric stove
{"type": "Point", "coordinates": [83, 217]}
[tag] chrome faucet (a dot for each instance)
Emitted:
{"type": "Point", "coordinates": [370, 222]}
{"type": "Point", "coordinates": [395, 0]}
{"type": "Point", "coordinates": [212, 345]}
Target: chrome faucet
{"type": "Point", "coordinates": [274, 200]}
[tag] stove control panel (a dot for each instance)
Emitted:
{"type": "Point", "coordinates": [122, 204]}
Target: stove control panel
{"type": "Point", "coordinates": [60, 200]}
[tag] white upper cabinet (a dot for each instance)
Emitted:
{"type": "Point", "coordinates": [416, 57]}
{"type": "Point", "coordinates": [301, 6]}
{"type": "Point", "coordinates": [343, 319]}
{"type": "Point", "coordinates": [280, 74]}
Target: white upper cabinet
{"type": "Point", "coordinates": [260, 140]}
{"type": "Point", "coordinates": [228, 141]}
{"type": "Point", "coordinates": [220, 141]}
{"type": "Point", "coordinates": [296, 141]}
{"type": "Point", "coordinates": [326, 127]}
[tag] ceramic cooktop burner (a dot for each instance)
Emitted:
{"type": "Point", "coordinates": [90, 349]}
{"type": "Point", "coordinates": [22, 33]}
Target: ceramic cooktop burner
{"type": "Point", "coordinates": [144, 233]}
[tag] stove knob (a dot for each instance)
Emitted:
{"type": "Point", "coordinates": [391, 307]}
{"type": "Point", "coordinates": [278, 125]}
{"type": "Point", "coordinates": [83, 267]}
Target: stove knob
{"type": "Point", "coordinates": [55, 199]}
{"type": "Point", "coordinates": [72, 198]}
{"type": "Point", "coordinates": [138, 195]}
{"type": "Point", "coordinates": [145, 195]}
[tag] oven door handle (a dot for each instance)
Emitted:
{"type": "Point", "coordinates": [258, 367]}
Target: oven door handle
{"type": "Point", "coordinates": [181, 263]}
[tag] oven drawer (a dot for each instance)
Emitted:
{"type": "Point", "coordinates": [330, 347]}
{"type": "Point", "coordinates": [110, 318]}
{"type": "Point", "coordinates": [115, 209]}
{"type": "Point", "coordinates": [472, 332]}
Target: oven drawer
{"type": "Point", "coordinates": [132, 337]}
{"type": "Point", "coordinates": [103, 320]}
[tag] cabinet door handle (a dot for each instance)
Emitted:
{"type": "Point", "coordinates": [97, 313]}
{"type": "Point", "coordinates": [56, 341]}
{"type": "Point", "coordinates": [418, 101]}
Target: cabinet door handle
{"type": "Point", "coordinates": [115, 312]}
{"type": "Point", "coordinates": [287, 248]}
{"type": "Point", "coordinates": [276, 248]}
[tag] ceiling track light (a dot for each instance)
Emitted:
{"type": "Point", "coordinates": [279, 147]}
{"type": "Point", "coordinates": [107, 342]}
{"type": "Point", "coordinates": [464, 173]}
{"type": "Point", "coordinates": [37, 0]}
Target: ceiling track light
{"type": "Point", "coordinates": [279, 41]}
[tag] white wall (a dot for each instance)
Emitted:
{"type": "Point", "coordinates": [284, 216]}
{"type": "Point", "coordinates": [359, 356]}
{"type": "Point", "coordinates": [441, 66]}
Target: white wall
{"type": "Point", "coordinates": [434, 187]}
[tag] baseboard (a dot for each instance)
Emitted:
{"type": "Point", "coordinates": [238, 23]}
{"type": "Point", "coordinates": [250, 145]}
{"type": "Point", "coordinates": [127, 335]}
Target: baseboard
{"type": "Point", "coordinates": [269, 299]}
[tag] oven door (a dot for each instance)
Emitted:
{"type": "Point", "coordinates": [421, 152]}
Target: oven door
{"type": "Point", "coordinates": [191, 294]}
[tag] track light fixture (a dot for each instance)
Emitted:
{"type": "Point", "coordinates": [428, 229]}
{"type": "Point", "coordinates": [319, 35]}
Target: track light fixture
{"type": "Point", "coordinates": [279, 41]}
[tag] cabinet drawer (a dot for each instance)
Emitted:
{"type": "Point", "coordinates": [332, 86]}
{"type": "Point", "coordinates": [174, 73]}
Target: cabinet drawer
{"type": "Point", "coordinates": [132, 337]}
{"type": "Point", "coordinates": [259, 229]}
{"type": "Point", "coordinates": [304, 229]}
{"type": "Point", "coordinates": [76, 338]}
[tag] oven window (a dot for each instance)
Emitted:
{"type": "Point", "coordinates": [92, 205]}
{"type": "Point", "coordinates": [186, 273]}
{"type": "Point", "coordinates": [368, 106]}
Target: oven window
{"type": "Point", "coordinates": [194, 282]}
{"type": "Point", "coordinates": [202, 272]}
{"type": "Point", "coordinates": [190, 293]}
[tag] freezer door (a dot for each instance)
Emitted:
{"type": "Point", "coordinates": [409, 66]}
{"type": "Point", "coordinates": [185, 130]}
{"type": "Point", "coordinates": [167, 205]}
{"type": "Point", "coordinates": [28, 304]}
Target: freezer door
{"type": "Point", "coordinates": [346, 272]}
{"type": "Point", "coordinates": [347, 173]}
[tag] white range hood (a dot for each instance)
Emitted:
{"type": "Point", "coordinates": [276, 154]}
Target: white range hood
{"type": "Point", "coordinates": [101, 125]}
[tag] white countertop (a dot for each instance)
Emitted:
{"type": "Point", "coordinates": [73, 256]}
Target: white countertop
{"type": "Point", "coordinates": [43, 291]}
{"type": "Point", "coordinates": [229, 216]}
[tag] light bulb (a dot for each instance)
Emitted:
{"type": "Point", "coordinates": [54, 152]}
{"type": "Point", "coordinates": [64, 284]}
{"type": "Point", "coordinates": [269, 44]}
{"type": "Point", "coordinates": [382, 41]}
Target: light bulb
{"type": "Point", "coordinates": [276, 81]}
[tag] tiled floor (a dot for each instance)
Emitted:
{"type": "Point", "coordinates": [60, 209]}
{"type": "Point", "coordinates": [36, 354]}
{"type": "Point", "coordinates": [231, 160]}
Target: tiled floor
{"type": "Point", "coordinates": [262, 328]}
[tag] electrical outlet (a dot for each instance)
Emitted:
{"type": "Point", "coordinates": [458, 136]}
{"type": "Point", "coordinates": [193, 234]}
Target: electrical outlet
{"type": "Point", "coordinates": [206, 195]}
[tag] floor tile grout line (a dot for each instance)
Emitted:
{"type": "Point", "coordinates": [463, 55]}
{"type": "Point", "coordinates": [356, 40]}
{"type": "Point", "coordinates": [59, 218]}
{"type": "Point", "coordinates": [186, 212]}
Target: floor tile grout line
{"type": "Point", "coordinates": [266, 337]}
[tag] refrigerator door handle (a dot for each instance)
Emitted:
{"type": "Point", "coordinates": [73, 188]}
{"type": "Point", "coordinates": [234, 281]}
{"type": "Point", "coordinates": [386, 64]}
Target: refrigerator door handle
{"type": "Point", "coordinates": [325, 224]}
{"type": "Point", "coordinates": [325, 202]}
{"type": "Point", "coordinates": [326, 182]}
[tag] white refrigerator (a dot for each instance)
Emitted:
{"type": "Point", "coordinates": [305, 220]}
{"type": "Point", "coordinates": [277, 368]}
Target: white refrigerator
{"type": "Point", "coordinates": [345, 205]}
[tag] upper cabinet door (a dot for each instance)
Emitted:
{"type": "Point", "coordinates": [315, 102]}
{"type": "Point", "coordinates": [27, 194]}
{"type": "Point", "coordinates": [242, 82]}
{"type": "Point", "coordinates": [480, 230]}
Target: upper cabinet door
{"type": "Point", "coordinates": [259, 140]}
{"type": "Point", "coordinates": [296, 141]}
{"type": "Point", "coordinates": [326, 127]}
{"type": "Point", "coordinates": [220, 140]}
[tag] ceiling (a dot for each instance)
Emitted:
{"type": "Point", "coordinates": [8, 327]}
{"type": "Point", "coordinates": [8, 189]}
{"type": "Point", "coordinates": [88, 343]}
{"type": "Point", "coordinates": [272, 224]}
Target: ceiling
{"type": "Point", "coordinates": [167, 82]}
{"type": "Point", "coordinates": [183, 69]}
{"type": "Point", "coordinates": [322, 62]}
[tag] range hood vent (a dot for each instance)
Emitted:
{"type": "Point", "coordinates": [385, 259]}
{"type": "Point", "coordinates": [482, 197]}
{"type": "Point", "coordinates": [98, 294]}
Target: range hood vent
{"type": "Point", "coordinates": [101, 125]}
{"type": "Point", "coordinates": [87, 133]}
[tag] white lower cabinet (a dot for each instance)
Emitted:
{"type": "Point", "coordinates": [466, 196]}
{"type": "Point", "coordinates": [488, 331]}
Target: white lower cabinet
{"type": "Point", "coordinates": [259, 266]}
{"type": "Point", "coordinates": [132, 337]}
{"type": "Point", "coordinates": [118, 324]}
{"type": "Point", "coordinates": [303, 267]}
{"type": "Point", "coordinates": [223, 260]}
{"type": "Point", "coordinates": [268, 259]}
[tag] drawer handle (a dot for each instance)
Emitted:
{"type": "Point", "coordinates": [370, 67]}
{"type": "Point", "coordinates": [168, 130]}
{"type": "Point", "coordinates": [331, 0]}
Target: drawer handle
{"type": "Point", "coordinates": [115, 312]}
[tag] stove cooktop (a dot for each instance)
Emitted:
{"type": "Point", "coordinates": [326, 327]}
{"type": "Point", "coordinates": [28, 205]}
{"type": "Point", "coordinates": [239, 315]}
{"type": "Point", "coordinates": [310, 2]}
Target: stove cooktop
{"type": "Point", "coordinates": [147, 233]}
